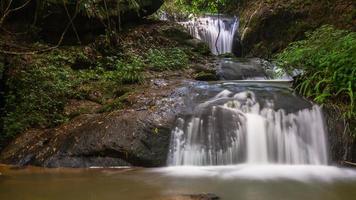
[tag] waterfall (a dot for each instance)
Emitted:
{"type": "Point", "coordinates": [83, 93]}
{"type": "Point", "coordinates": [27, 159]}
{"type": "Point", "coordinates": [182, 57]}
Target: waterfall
{"type": "Point", "coordinates": [233, 128]}
{"type": "Point", "coordinates": [242, 126]}
{"type": "Point", "coordinates": [207, 30]}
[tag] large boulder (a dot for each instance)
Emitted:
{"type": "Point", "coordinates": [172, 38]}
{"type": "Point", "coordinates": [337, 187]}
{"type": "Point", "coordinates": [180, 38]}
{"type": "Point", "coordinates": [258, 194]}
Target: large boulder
{"type": "Point", "coordinates": [136, 136]}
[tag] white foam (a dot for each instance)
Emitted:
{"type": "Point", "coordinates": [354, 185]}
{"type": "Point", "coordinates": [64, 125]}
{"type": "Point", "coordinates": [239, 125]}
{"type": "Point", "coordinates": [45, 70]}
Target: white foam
{"type": "Point", "coordinates": [304, 173]}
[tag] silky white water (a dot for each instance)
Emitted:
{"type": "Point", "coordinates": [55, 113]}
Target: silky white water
{"type": "Point", "coordinates": [248, 132]}
{"type": "Point", "coordinates": [239, 130]}
{"type": "Point", "coordinates": [218, 32]}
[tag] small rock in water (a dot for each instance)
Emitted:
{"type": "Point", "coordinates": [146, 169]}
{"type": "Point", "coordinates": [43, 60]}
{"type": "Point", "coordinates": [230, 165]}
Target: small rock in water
{"type": "Point", "coordinates": [159, 82]}
{"type": "Point", "coordinates": [207, 196]}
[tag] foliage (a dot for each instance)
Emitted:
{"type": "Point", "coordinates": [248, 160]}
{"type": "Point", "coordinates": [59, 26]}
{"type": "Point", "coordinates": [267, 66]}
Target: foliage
{"type": "Point", "coordinates": [131, 71]}
{"type": "Point", "coordinates": [167, 58]}
{"type": "Point", "coordinates": [36, 97]}
{"type": "Point", "coordinates": [328, 58]}
{"type": "Point", "coordinates": [116, 104]}
{"type": "Point", "coordinates": [197, 6]}
{"type": "Point", "coordinates": [38, 92]}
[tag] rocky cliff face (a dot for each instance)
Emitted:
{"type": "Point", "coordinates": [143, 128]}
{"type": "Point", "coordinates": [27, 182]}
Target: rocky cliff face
{"type": "Point", "coordinates": [269, 26]}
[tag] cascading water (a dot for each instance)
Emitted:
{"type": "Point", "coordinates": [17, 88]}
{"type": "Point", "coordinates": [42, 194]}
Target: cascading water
{"type": "Point", "coordinates": [217, 31]}
{"type": "Point", "coordinates": [233, 128]}
{"type": "Point", "coordinates": [241, 126]}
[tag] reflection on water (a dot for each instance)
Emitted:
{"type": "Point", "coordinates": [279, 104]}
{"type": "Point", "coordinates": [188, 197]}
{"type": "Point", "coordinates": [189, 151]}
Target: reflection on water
{"type": "Point", "coordinates": [229, 182]}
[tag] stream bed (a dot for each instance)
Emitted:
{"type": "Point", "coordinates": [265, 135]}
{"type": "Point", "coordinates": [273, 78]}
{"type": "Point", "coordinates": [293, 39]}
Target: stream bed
{"type": "Point", "coordinates": [228, 182]}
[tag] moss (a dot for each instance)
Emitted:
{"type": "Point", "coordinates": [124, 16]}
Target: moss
{"type": "Point", "coordinates": [36, 97]}
{"type": "Point", "coordinates": [167, 59]}
{"type": "Point", "coordinates": [115, 104]}
{"type": "Point", "coordinates": [39, 88]}
{"type": "Point", "coordinates": [176, 34]}
{"type": "Point", "coordinates": [202, 48]}
{"type": "Point", "coordinates": [227, 55]}
{"type": "Point", "coordinates": [205, 76]}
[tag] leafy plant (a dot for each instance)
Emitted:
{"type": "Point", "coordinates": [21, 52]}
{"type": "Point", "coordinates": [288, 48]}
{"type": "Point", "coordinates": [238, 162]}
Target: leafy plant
{"type": "Point", "coordinates": [328, 58]}
{"type": "Point", "coordinates": [167, 58]}
{"type": "Point", "coordinates": [37, 97]}
{"type": "Point", "coordinates": [197, 6]}
{"type": "Point", "coordinates": [131, 71]}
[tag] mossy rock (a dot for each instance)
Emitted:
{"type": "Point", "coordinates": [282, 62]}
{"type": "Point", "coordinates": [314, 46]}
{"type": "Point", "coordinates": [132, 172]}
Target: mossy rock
{"type": "Point", "coordinates": [227, 55]}
{"type": "Point", "coordinates": [199, 46]}
{"type": "Point", "coordinates": [206, 76]}
{"type": "Point", "coordinates": [177, 34]}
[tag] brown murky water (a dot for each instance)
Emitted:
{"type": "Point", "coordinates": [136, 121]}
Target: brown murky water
{"type": "Point", "coordinates": [230, 183]}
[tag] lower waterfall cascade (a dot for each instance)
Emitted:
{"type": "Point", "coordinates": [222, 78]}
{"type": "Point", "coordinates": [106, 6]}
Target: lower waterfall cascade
{"type": "Point", "coordinates": [239, 130]}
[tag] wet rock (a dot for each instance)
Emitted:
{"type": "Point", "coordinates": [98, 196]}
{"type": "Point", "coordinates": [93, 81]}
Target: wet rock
{"type": "Point", "coordinates": [236, 46]}
{"type": "Point", "coordinates": [159, 83]}
{"type": "Point", "coordinates": [199, 46]}
{"type": "Point", "coordinates": [266, 94]}
{"type": "Point", "coordinates": [268, 27]}
{"type": "Point", "coordinates": [207, 196]}
{"type": "Point", "coordinates": [129, 137]}
{"type": "Point", "coordinates": [206, 76]}
{"type": "Point", "coordinates": [342, 144]}
{"type": "Point", "coordinates": [241, 69]}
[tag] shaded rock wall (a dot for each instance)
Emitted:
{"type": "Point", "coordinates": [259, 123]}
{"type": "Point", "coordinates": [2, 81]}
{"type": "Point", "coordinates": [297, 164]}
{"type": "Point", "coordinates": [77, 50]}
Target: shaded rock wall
{"type": "Point", "coordinates": [341, 134]}
{"type": "Point", "coordinates": [267, 27]}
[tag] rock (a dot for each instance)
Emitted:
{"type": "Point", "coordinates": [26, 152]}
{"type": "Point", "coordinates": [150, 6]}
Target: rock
{"type": "Point", "coordinates": [342, 144]}
{"type": "Point", "coordinates": [236, 45]}
{"type": "Point", "coordinates": [240, 69]}
{"type": "Point", "coordinates": [207, 196]}
{"type": "Point", "coordinates": [268, 27]}
{"type": "Point", "coordinates": [206, 76]}
{"type": "Point", "coordinates": [75, 107]}
{"type": "Point", "coordinates": [129, 137]}
{"type": "Point", "coordinates": [199, 46]}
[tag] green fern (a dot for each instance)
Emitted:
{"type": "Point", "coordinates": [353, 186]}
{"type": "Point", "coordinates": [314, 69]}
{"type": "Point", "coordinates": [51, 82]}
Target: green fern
{"type": "Point", "coordinates": [328, 58]}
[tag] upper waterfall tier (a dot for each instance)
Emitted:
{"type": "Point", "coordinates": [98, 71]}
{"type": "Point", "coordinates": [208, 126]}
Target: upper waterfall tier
{"type": "Point", "coordinates": [258, 124]}
{"type": "Point", "coordinates": [217, 31]}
